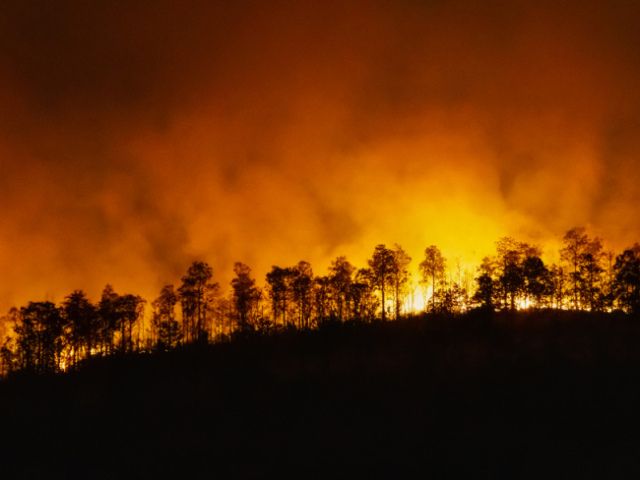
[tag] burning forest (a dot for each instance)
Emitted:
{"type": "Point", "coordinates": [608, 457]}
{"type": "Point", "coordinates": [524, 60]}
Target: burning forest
{"type": "Point", "coordinates": [45, 337]}
{"type": "Point", "coordinates": [459, 178]}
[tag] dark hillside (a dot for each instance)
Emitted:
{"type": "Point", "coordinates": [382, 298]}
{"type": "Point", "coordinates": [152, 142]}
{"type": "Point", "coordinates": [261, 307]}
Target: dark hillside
{"type": "Point", "coordinates": [523, 395]}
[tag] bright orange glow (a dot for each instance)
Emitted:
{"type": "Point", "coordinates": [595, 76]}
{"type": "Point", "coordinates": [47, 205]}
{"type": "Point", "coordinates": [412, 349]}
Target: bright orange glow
{"type": "Point", "coordinates": [524, 304]}
{"type": "Point", "coordinates": [235, 131]}
{"type": "Point", "coordinates": [415, 301]}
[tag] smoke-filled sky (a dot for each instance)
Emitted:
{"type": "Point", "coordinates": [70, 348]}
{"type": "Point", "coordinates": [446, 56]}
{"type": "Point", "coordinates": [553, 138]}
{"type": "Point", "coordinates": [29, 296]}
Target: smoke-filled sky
{"type": "Point", "coordinates": [137, 136]}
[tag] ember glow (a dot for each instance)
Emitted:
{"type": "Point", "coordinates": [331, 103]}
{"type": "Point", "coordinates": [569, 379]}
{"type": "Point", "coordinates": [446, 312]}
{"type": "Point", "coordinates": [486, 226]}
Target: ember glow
{"type": "Point", "coordinates": [137, 137]}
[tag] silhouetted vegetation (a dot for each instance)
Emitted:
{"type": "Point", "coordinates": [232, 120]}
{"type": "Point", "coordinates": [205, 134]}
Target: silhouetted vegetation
{"type": "Point", "coordinates": [520, 369]}
{"type": "Point", "coordinates": [42, 337]}
{"type": "Point", "coordinates": [528, 394]}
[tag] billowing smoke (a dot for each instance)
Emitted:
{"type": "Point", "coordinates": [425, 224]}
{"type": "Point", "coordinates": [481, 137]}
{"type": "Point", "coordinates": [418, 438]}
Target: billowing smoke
{"type": "Point", "coordinates": [138, 136]}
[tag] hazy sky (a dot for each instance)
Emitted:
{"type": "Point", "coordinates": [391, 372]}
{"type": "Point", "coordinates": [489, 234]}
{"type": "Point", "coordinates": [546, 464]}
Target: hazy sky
{"type": "Point", "coordinates": [137, 136]}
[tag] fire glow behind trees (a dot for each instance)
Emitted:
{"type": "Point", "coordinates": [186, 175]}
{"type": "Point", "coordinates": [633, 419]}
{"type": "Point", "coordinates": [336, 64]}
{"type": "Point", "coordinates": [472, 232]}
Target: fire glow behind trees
{"type": "Point", "coordinates": [137, 138]}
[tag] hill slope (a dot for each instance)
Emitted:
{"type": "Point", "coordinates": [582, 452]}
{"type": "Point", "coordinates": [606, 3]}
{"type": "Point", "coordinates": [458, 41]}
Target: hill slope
{"type": "Point", "coordinates": [512, 396]}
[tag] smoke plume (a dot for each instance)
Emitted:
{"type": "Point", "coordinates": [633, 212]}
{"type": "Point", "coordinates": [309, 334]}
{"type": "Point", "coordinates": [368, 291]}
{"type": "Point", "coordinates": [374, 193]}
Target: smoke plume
{"type": "Point", "coordinates": [138, 136]}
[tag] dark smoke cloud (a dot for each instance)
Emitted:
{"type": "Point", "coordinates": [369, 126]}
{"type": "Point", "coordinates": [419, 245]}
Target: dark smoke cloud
{"type": "Point", "coordinates": [138, 136]}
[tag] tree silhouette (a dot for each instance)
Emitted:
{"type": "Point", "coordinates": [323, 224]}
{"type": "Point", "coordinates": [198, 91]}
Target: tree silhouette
{"type": "Point", "coordinates": [590, 280]}
{"type": "Point", "coordinates": [484, 294]}
{"type": "Point", "coordinates": [627, 274]}
{"type": "Point", "coordinates": [279, 291]}
{"type": "Point", "coordinates": [453, 297]}
{"type": "Point", "coordinates": [322, 298]}
{"type": "Point", "coordinates": [559, 285]}
{"type": "Point", "coordinates": [340, 276]}
{"type": "Point", "coordinates": [302, 288]}
{"type": "Point", "coordinates": [365, 302]}
{"type": "Point", "coordinates": [537, 284]}
{"type": "Point", "coordinates": [108, 315]}
{"type": "Point", "coordinates": [164, 323]}
{"type": "Point", "coordinates": [8, 357]}
{"type": "Point", "coordinates": [608, 287]}
{"type": "Point", "coordinates": [245, 294]}
{"type": "Point", "coordinates": [400, 276]}
{"type": "Point", "coordinates": [40, 340]}
{"type": "Point", "coordinates": [83, 323]}
{"type": "Point", "coordinates": [381, 269]}
{"type": "Point", "coordinates": [130, 309]}
{"type": "Point", "coordinates": [432, 269]}
{"type": "Point", "coordinates": [195, 294]}
{"type": "Point", "coordinates": [577, 244]}
{"type": "Point", "coordinates": [511, 280]}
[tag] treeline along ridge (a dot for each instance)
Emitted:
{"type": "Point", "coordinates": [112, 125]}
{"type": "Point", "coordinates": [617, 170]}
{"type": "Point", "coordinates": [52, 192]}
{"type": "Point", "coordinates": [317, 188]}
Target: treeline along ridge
{"type": "Point", "coordinates": [43, 337]}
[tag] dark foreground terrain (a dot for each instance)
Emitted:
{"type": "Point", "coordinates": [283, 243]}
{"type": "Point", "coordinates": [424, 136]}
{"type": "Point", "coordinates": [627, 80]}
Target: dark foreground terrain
{"type": "Point", "coordinates": [529, 395]}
